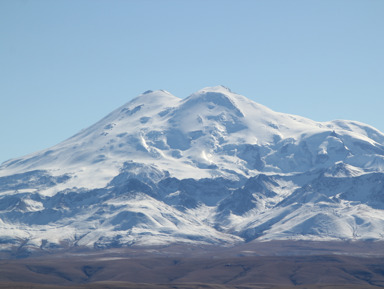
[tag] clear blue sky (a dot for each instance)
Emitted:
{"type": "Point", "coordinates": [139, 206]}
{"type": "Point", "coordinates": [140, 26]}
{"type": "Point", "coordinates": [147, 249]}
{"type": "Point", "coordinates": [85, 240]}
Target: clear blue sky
{"type": "Point", "coordinates": [64, 64]}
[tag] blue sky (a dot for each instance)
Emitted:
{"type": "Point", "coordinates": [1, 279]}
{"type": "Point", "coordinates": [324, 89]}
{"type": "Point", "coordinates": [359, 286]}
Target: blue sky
{"type": "Point", "coordinates": [65, 64]}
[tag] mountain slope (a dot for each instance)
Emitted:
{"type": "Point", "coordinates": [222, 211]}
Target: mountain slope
{"type": "Point", "coordinates": [214, 167]}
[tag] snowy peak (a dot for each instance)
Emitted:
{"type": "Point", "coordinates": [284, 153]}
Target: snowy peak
{"type": "Point", "coordinates": [212, 99]}
{"type": "Point", "coordinates": [144, 106]}
{"type": "Point", "coordinates": [213, 168]}
{"type": "Point", "coordinates": [213, 132]}
{"type": "Point", "coordinates": [157, 97]}
{"type": "Point", "coordinates": [342, 170]}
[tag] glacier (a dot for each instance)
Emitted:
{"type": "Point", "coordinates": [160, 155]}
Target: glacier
{"type": "Point", "coordinates": [213, 168]}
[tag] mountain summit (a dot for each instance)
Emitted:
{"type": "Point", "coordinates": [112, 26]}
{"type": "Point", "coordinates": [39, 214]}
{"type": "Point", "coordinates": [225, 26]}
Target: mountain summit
{"type": "Point", "coordinates": [213, 168]}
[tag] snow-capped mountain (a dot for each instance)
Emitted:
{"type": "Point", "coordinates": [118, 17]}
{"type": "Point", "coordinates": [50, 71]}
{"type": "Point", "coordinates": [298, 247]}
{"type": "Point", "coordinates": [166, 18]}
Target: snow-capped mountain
{"type": "Point", "coordinates": [214, 167]}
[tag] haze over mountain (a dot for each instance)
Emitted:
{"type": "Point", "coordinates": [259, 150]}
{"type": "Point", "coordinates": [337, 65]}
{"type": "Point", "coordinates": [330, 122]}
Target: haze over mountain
{"type": "Point", "coordinates": [214, 168]}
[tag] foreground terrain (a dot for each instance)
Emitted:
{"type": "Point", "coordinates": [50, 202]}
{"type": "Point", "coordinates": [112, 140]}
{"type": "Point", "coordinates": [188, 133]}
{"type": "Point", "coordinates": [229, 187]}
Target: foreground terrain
{"type": "Point", "coordinates": [123, 285]}
{"type": "Point", "coordinates": [254, 265]}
